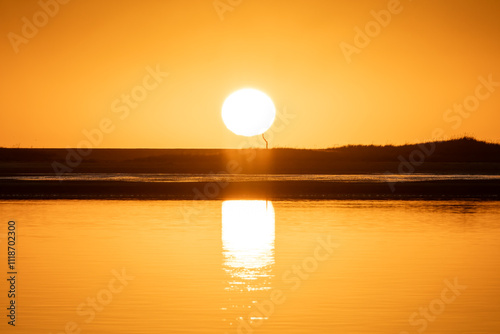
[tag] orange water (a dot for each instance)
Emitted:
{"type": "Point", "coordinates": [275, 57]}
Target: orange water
{"type": "Point", "coordinates": [254, 267]}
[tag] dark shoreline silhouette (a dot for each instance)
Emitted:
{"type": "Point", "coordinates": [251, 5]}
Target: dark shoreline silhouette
{"type": "Point", "coordinates": [271, 190]}
{"type": "Point", "coordinates": [460, 156]}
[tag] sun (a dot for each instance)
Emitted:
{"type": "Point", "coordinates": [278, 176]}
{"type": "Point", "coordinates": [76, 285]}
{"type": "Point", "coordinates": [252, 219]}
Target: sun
{"type": "Point", "coordinates": [248, 112]}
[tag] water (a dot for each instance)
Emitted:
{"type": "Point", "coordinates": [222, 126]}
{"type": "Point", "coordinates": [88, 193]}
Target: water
{"type": "Point", "coordinates": [255, 266]}
{"type": "Point", "coordinates": [169, 177]}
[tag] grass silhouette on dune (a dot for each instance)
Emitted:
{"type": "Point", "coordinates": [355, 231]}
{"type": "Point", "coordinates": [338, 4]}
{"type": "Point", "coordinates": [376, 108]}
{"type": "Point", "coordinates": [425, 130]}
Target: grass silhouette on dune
{"type": "Point", "coordinates": [462, 155]}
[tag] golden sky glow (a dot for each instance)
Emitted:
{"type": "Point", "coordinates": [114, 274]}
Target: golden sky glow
{"type": "Point", "coordinates": [71, 73]}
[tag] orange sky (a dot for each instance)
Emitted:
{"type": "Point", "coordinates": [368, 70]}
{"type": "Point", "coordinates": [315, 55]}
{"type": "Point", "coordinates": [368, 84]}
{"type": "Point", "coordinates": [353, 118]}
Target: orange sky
{"type": "Point", "coordinates": [70, 75]}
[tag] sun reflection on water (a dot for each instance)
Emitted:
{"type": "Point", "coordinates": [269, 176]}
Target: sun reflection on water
{"type": "Point", "coordinates": [248, 250]}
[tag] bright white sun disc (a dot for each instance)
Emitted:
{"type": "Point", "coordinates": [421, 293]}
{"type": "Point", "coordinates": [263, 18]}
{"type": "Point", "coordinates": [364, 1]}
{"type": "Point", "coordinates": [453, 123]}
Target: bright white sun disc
{"type": "Point", "coordinates": [248, 112]}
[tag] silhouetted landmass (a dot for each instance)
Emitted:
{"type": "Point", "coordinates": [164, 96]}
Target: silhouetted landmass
{"type": "Point", "coordinates": [460, 156]}
{"type": "Point", "coordinates": [271, 190]}
{"type": "Point", "coordinates": [465, 155]}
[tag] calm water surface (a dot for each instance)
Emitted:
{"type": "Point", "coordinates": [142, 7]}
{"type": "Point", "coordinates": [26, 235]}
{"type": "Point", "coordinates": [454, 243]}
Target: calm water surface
{"type": "Point", "coordinates": [255, 266]}
{"type": "Point", "coordinates": [169, 177]}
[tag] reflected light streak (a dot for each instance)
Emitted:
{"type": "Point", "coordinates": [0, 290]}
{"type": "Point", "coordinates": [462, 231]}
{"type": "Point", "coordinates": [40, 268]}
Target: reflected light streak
{"type": "Point", "coordinates": [248, 234]}
{"type": "Point", "coordinates": [248, 250]}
